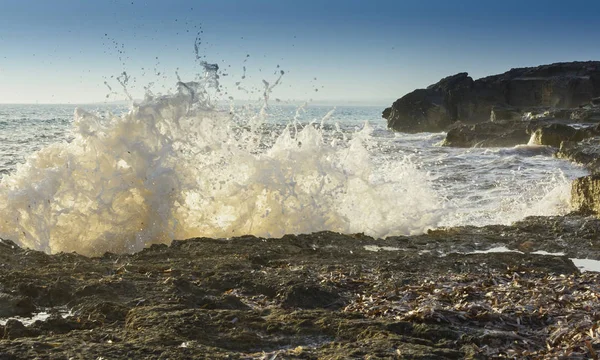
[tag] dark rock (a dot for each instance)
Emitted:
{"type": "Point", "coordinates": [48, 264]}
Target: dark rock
{"type": "Point", "coordinates": [310, 297]}
{"type": "Point", "coordinates": [586, 114]}
{"type": "Point", "coordinates": [505, 113]}
{"type": "Point", "coordinates": [102, 311]}
{"type": "Point", "coordinates": [56, 324]}
{"type": "Point", "coordinates": [321, 295]}
{"type": "Point", "coordinates": [416, 112]}
{"type": "Point", "coordinates": [563, 114]}
{"type": "Point", "coordinates": [11, 305]}
{"type": "Point", "coordinates": [585, 152]}
{"type": "Point", "coordinates": [585, 194]}
{"type": "Point", "coordinates": [95, 290]}
{"type": "Point", "coordinates": [545, 130]}
{"type": "Point", "coordinates": [555, 134]}
{"type": "Point", "coordinates": [386, 112]}
{"type": "Point", "coordinates": [488, 134]}
{"type": "Point", "coordinates": [460, 98]}
{"type": "Point", "coordinates": [423, 110]}
{"type": "Point", "coordinates": [57, 293]}
{"type": "Point", "coordinates": [15, 329]}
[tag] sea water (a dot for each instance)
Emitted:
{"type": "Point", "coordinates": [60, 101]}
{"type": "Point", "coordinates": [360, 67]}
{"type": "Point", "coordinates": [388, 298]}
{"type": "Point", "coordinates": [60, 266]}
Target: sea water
{"type": "Point", "coordinates": [97, 178]}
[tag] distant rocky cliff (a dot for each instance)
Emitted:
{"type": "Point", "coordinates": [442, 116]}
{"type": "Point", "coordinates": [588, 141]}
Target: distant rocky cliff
{"type": "Point", "coordinates": [499, 97]}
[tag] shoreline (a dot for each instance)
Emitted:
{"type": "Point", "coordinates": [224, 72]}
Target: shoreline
{"type": "Point", "coordinates": [318, 295]}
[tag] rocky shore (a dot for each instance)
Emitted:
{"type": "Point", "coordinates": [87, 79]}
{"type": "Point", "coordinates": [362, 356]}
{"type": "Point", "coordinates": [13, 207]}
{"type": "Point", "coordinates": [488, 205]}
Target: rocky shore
{"type": "Point", "coordinates": [323, 295]}
{"type": "Point", "coordinates": [561, 91]}
{"type": "Point", "coordinates": [518, 291]}
{"type": "Point", "coordinates": [555, 105]}
{"type": "Point", "coordinates": [540, 103]}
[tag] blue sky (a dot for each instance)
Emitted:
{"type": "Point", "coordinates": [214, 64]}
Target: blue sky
{"type": "Point", "coordinates": [62, 51]}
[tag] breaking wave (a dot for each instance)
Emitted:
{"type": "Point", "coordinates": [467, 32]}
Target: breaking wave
{"type": "Point", "coordinates": [176, 167]}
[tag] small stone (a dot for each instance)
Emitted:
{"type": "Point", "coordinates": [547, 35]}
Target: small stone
{"type": "Point", "coordinates": [11, 305]}
{"type": "Point", "coordinates": [15, 329]}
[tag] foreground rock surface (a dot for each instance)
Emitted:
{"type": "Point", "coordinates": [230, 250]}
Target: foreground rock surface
{"type": "Point", "coordinates": [323, 295]}
{"type": "Point", "coordinates": [460, 98]}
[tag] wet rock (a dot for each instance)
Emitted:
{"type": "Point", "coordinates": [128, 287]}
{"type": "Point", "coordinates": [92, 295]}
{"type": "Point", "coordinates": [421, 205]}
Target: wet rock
{"type": "Point", "coordinates": [56, 324]}
{"type": "Point", "coordinates": [11, 305]}
{"type": "Point", "coordinates": [488, 134]}
{"type": "Point", "coordinates": [322, 295]}
{"type": "Point", "coordinates": [588, 114]}
{"type": "Point", "coordinates": [585, 152]}
{"type": "Point", "coordinates": [101, 311]}
{"type": "Point", "coordinates": [501, 113]}
{"type": "Point", "coordinates": [53, 294]}
{"type": "Point", "coordinates": [308, 296]}
{"type": "Point", "coordinates": [555, 134]}
{"type": "Point", "coordinates": [543, 131]}
{"type": "Point", "coordinates": [460, 98]}
{"type": "Point", "coordinates": [424, 110]}
{"type": "Point", "coordinates": [585, 194]}
{"type": "Point", "coordinates": [15, 329]}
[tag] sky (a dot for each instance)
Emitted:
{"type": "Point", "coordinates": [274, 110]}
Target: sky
{"type": "Point", "coordinates": [332, 51]}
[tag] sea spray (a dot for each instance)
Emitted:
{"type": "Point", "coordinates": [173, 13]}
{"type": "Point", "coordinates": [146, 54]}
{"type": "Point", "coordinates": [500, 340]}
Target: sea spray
{"type": "Point", "coordinates": [176, 167]}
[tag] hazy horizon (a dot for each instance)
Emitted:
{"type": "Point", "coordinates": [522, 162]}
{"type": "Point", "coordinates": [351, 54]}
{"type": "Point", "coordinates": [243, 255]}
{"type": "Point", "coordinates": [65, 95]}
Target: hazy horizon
{"type": "Point", "coordinates": [330, 102]}
{"type": "Point", "coordinates": [334, 52]}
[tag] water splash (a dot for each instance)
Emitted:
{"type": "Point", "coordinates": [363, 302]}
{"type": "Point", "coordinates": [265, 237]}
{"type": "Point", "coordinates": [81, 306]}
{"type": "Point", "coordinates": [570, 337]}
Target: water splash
{"type": "Point", "coordinates": [176, 167]}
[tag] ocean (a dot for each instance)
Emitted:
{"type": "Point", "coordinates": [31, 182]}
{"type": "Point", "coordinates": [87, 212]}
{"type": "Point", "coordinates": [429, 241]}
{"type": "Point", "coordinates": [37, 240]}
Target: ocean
{"type": "Point", "coordinates": [98, 178]}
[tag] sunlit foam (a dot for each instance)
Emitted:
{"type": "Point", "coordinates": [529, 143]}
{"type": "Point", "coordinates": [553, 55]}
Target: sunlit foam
{"type": "Point", "coordinates": [175, 167]}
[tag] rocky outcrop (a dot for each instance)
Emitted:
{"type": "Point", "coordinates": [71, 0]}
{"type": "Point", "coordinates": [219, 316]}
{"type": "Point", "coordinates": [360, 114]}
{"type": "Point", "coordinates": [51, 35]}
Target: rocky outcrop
{"type": "Point", "coordinates": [585, 194]}
{"type": "Point", "coordinates": [586, 152]}
{"type": "Point", "coordinates": [488, 134]}
{"type": "Point", "coordinates": [460, 98]}
{"type": "Point", "coordinates": [11, 305]}
{"type": "Point", "coordinates": [505, 113]}
{"type": "Point", "coordinates": [555, 134]}
{"type": "Point", "coordinates": [540, 131]}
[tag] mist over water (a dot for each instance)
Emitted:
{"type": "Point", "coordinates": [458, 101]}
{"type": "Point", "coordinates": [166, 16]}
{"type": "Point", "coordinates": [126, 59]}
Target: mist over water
{"type": "Point", "coordinates": [179, 166]}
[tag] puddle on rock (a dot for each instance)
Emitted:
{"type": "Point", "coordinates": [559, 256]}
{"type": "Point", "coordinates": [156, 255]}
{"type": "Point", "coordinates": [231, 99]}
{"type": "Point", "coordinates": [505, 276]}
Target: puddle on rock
{"type": "Point", "coordinates": [42, 316]}
{"type": "Point", "coordinates": [376, 248]}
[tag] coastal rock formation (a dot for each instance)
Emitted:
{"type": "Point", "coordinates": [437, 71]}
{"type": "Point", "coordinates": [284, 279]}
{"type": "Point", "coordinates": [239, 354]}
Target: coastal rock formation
{"type": "Point", "coordinates": [505, 113]}
{"type": "Point", "coordinates": [585, 152]}
{"type": "Point", "coordinates": [460, 98]}
{"type": "Point", "coordinates": [585, 194]}
{"type": "Point", "coordinates": [505, 133]}
{"type": "Point", "coordinates": [555, 134]}
{"type": "Point", "coordinates": [322, 295]}
{"type": "Point", "coordinates": [487, 134]}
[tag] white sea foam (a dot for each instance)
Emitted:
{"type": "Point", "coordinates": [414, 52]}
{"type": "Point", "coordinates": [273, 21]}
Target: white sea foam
{"type": "Point", "coordinates": [41, 316]}
{"type": "Point", "coordinates": [587, 264]}
{"type": "Point", "coordinates": [175, 167]}
{"type": "Point", "coordinates": [582, 264]}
